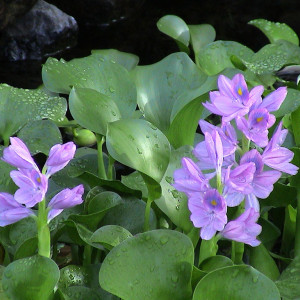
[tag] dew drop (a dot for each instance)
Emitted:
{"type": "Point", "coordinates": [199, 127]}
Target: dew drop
{"type": "Point", "coordinates": [139, 151]}
{"type": "Point", "coordinates": [235, 273]}
{"type": "Point", "coordinates": [169, 179]}
{"type": "Point", "coordinates": [111, 89]}
{"type": "Point", "coordinates": [174, 278]}
{"type": "Point", "coordinates": [164, 240]}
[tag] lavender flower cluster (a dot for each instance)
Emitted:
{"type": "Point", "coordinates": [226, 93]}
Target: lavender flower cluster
{"type": "Point", "coordinates": [228, 174]}
{"type": "Point", "coordinates": [33, 183]}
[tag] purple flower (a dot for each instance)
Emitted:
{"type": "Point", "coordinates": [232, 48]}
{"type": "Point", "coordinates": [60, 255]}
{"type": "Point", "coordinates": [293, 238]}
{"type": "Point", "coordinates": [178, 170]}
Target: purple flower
{"type": "Point", "coordinates": [32, 186]}
{"type": "Point", "coordinates": [238, 183]}
{"type": "Point", "coordinates": [227, 135]}
{"type": "Point", "coordinates": [273, 101]}
{"type": "Point", "coordinates": [278, 157]}
{"type": "Point", "coordinates": [190, 179]}
{"type": "Point", "coordinates": [59, 157]}
{"type": "Point", "coordinates": [11, 211]}
{"type": "Point", "coordinates": [208, 213]}
{"type": "Point", "coordinates": [65, 199]}
{"type": "Point", "coordinates": [263, 181]}
{"type": "Point", "coordinates": [210, 152]}
{"type": "Point", "coordinates": [244, 229]}
{"type": "Point", "coordinates": [233, 98]}
{"type": "Point", "coordinates": [18, 155]}
{"type": "Point", "coordinates": [257, 125]}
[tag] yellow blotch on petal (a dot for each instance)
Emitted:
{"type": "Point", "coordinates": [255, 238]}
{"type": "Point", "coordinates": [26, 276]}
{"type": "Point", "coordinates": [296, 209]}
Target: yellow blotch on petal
{"type": "Point", "coordinates": [240, 92]}
{"type": "Point", "coordinates": [259, 119]}
{"type": "Point", "coordinates": [39, 179]}
{"type": "Point", "coordinates": [213, 202]}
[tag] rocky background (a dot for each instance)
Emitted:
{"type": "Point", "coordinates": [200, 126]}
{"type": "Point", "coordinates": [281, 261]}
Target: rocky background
{"type": "Point", "coordinates": [31, 30]}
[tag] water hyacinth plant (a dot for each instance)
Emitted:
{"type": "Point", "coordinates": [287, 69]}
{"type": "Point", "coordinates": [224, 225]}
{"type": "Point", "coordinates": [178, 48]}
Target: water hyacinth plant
{"type": "Point", "coordinates": [148, 205]}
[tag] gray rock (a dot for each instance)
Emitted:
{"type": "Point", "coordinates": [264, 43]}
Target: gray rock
{"type": "Point", "coordinates": [44, 30]}
{"type": "Point", "coordinates": [10, 10]}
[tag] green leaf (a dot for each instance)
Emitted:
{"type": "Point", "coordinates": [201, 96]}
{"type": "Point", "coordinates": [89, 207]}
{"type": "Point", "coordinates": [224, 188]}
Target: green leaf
{"type": "Point", "coordinates": [139, 145]}
{"type": "Point", "coordinates": [270, 233]}
{"type": "Point", "coordinates": [215, 262]}
{"type": "Point", "coordinates": [79, 292]}
{"type": "Point", "coordinates": [290, 103]}
{"type": "Point", "coordinates": [236, 283]}
{"type": "Point", "coordinates": [295, 116]}
{"type": "Point", "coordinates": [174, 27]}
{"type": "Point", "coordinates": [196, 276]}
{"type": "Point", "coordinates": [129, 215]}
{"type": "Point", "coordinates": [183, 127]}
{"type": "Point", "coordinates": [2, 294]}
{"type": "Point", "coordinates": [110, 236]}
{"type": "Point", "coordinates": [159, 86]}
{"type": "Point", "coordinates": [92, 110]}
{"type": "Point", "coordinates": [135, 181]}
{"type": "Point", "coordinates": [153, 265]}
{"type": "Point", "coordinates": [106, 77]}
{"type": "Point", "coordinates": [27, 248]}
{"type": "Point", "coordinates": [31, 278]}
{"type": "Point", "coordinates": [33, 135]}
{"type": "Point", "coordinates": [97, 208]}
{"type": "Point", "coordinates": [295, 180]}
{"type": "Point", "coordinates": [281, 196]}
{"type": "Point", "coordinates": [128, 60]}
{"type": "Point", "coordinates": [73, 277]}
{"type": "Point", "coordinates": [19, 106]}
{"type": "Point", "coordinates": [288, 282]}
{"type": "Point", "coordinates": [172, 202]}
{"type": "Point", "coordinates": [261, 260]}
{"type": "Point", "coordinates": [215, 57]}
{"type": "Point", "coordinates": [272, 57]}
{"type": "Point", "coordinates": [201, 35]}
{"type": "Point", "coordinates": [289, 230]}
{"type": "Point", "coordinates": [6, 183]}
{"type": "Point", "coordinates": [276, 31]}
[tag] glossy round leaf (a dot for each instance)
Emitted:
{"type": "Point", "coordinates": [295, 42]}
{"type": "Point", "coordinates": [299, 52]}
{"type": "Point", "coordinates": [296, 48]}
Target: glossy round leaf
{"type": "Point", "coordinates": [215, 262]}
{"type": "Point", "coordinates": [31, 278]}
{"type": "Point", "coordinates": [172, 202]}
{"type": "Point", "coordinates": [290, 103]}
{"type": "Point", "coordinates": [105, 76]}
{"type": "Point", "coordinates": [110, 236]}
{"type": "Point", "coordinates": [236, 283]}
{"type": "Point", "coordinates": [174, 27]}
{"type": "Point", "coordinates": [201, 35]}
{"type": "Point", "coordinates": [139, 145]}
{"type": "Point", "coordinates": [153, 265]}
{"type": "Point", "coordinates": [129, 214]}
{"type": "Point", "coordinates": [33, 135]}
{"type": "Point", "coordinates": [288, 282]}
{"type": "Point", "coordinates": [159, 85]}
{"type": "Point", "coordinates": [93, 110]}
{"type": "Point", "coordinates": [19, 106]}
{"type": "Point", "coordinates": [276, 31]}
{"type": "Point", "coordinates": [127, 60]}
{"type": "Point", "coordinates": [2, 294]}
{"type": "Point", "coordinates": [215, 57]}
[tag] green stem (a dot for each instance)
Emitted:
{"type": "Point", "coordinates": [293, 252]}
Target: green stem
{"type": "Point", "coordinates": [87, 254]}
{"type": "Point", "coordinates": [208, 248]}
{"type": "Point", "coordinates": [147, 213]}
{"type": "Point", "coordinates": [110, 168]}
{"type": "Point", "coordinates": [237, 248]}
{"type": "Point", "coordinates": [297, 234]}
{"type": "Point", "coordinates": [237, 252]}
{"type": "Point", "coordinates": [245, 145]}
{"type": "Point", "coordinates": [44, 244]}
{"type": "Point", "coordinates": [101, 168]}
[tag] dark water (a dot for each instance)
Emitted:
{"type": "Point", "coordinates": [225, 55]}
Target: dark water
{"type": "Point", "coordinates": [138, 33]}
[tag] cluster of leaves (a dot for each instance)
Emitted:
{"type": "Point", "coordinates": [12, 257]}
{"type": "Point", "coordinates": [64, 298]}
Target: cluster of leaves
{"type": "Point", "coordinates": [100, 250]}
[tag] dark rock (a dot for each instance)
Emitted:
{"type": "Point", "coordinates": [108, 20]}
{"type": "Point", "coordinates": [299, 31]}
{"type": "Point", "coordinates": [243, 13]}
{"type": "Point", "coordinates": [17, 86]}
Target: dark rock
{"type": "Point", "coordinates": [44, 30]}
{"type": "Point", "coordinates": [10, 9]}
